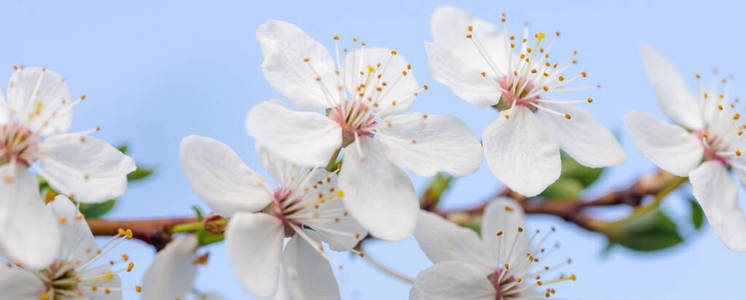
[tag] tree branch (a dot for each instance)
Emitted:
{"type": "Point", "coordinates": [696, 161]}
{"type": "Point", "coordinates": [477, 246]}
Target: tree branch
{"type": "Point", "coordinates": [151, 231]}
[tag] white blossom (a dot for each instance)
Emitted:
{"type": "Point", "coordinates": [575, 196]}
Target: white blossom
{"type": "Point", "coordinates": [363, 97]}
{"type": "Point", "coordinates": [507, 262]}
{"type": "Point", "coordinates": [33, 128]}
{"type": "Point", "coordinates": [78, 270]}
{"type": "Point", "coordinates": [307, 205]}
{"type": "Point", "coordinates": [476, 60]}
{"type": "Point", "coordinates": [707, 143]}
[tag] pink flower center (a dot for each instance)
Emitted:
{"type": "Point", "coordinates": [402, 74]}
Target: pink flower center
{"type": "Point", "coordinates": [711, 146]}
{"type": "Point", "coordinates": [516, 91]}
{"type": "Point", "coordinates": [18, 143]}
{"type": "Point", "coordinates": [500, 278]}
{"type": "Point", "coordinates": [355, 119]}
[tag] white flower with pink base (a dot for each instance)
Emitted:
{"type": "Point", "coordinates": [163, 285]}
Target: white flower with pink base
{"type": "Point", "coordinates": [708, 143]}
{"type": "Point", "coordinates": [33, 128]}
{"type": "Point", "coordinates": [362, 97]}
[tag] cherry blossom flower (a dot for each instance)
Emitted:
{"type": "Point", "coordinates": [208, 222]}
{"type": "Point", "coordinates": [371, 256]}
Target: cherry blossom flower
{"type": "Point", "coordinates": [476, 60]}
{"type": "Point", "coordinates": [363, 97]}
{"type": "Point", "coordinates": [706, 144]}
{"type": "Point", "coordinates": [77, 271]}
{"type": "Point", "coordinates": [501, 265]}
{"type": "Point", "coordinates": [33, 126]}
{"type": "Point", "coordinates": [307, 205]}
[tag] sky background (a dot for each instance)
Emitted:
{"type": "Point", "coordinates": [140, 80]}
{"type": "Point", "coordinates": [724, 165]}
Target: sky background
{"type": "Point", "coordinates": [157, 71]}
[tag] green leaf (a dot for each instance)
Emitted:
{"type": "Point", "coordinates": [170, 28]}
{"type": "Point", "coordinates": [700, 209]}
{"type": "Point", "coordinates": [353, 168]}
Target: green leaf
{"type": "Point", "coordinates": [140, 173]}
{"type": "Point", "coordinates": [95, 210]}
{"type": "Point", "coordinates": [697, 214]}
{"type": "Point", "coordinates": [123, 148]}
{"type": "Point", "coordinates": [563, 189]}
{"type": "Point", "coordinates": [438, 185]}
{"type": "Point", "coordinates": [584, 175]}
{"type": "Point", "coordinates": [650, 231]}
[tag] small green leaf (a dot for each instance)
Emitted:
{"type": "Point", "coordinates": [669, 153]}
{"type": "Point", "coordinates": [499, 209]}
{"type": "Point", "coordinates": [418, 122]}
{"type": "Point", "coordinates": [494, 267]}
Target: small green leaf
{"type": "Point", "coordinates": [584, 175]}
{"type": "Point", "coordinates": [95, 210]}
{"type": "Point", "coordinates": [197, 212]}
{"type": "Point", "coordinates": [697, 214]}
{"type": "Point", "coordinates": [123, 148]}
{"type": "Point", "coordinates": [563, 189]}
{"type": "Point", "coordinates": [438, 185]}
{"type": "Point", "coordinates": [140, 173]}
{"type": "Point", "coordinates": [649, 231]}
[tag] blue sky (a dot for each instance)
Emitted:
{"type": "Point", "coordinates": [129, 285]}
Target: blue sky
{"type": "Point", "coordinates": [156, 71]}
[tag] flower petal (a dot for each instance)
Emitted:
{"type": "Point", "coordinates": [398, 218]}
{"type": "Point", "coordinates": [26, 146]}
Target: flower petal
{"type": "Point", "coordinates": [286, 48]}
{"type": "Point", "coordinates": [220, 178]}
{"type": "Point", "coordinates": [452, 280]}
{"type": "Point", "coordinates": [669, 147]}
{"type": "Point", "coordinates": [463, 79]}
{"type": "Point", "coordinates": [582, 137]}
{"type": "Point", "coordinates": [85, 168]}
{"type": "Point", "coordinates": [427, 144]}
{"type": "Point", "coordinates": [37, 95]}
{"type": "Point", "coordinates": [442, 241]}
{"type": "Point", "coordinates": [381, 78]}
{"type": "Point", "coordinates": [17, 283]}
{"type": "Point", "coordinates": [449, 27]}
{"type": "Point", "coordinates": [282, 172]}
{"type": "Point", "coordinates": [521, 153]}
{"type": "Point", "coordinates": [29, 230]}
{"type": "Point", "coordinates": [378, 193]}
{"type": "Point", "coordinates": [171, 274]}
{"type": "Point", "coordinates": [717, 193]}
{"type": "Point", "coordinates": [308, 274]}
{"type": "Point", "coordinates": [674, 98]}
{"type": "Point", "coordinates": [254, 243]}
{"type": "Point", "coordinates": [76, 237]}
{"type": "Point", "coordinates": [304, 138]}
{"type": "Point", "coordinates": [502, 227]}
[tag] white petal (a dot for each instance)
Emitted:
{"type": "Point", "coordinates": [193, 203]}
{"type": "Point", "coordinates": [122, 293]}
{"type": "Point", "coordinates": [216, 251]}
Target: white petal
{"type": "Point", "coordinates": [398, 87]}
{"type": "Point", "coordinates": [29, 230]}
{"type": "Point", "coordinates": [114, 284]}
{"type": "Point", "coordinates": [582, 137]}
{"type": "Point", "coordinates": [85, 168]}
{"type": "Point", "coordinates": [4, 110]}
{"type": "Point", "coordinates": [285, 48]}
{"type": "Point", "coordinates": [76, 237]}
{"type": "Point", "coordinates": [283, 172]}
{"type": "Point", "coordinates": [19, 284]}
{"type": "Point", "coordinates": [427, 144]}
{"type": "Point", "coordinates": [669, 147]}
{"type": "Point", "coordinates": [171, 274]}
{"type": "Point", "coordinates": [452, 280]}
{"type": "Point", "coordinates": [674, 98]}
{"type": "Point", "coordinates": [717, 193]}
{"type": "Point", "coordinates": [254, 243]}
{"type": "Point", "coordinates": [378, 193]}
{"type": "Point", "coordinates": [449, 28]}
{"type": "Point", "coordinates": [36, 96]}
{"type": "Point", "coordinates": [521, 153]}
{"type": "Point", "coordinates": [309, 275]}
{"type": "Point", "coordinates": [220, 178]}
{"type": "Point", "coordinates": [506, 216]}
{"type": "Point", "coordinates": [463, 79]}
{"type": "Point", "coordinates": [442, 241]}
{"type": "Point", "coordinates": [304, 138]}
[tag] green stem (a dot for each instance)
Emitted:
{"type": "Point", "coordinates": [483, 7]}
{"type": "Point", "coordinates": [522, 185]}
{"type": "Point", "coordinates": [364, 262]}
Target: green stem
{"type": "Point", "coordinates": [333, 160]}
{"type": "Point", "coordinates": [186, 227]}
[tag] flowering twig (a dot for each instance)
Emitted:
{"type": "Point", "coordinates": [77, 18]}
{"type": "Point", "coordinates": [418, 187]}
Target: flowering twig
{"type": "Point", "coordinates": [574, 210]}
{"type": "Point", "coordinates": [152, 231]}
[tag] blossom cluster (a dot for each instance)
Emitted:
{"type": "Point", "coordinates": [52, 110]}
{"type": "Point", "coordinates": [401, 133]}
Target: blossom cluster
{"type": "Point", "coordinates": [336, 151]}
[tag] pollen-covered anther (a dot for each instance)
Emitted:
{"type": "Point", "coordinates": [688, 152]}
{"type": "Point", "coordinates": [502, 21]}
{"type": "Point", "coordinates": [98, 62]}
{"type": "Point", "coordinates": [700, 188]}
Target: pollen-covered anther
{"type": "Point", "coordinates": [738, 152]}
{"type": "Point", "coordinates": [568, 116]}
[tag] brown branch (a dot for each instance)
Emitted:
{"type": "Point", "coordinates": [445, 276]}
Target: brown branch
{"type": "Point", "coordinates": [574, 210]}
{"type": "Point", "coordinates": [151, 231]}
